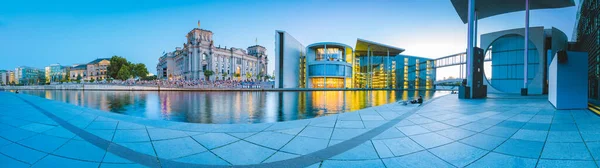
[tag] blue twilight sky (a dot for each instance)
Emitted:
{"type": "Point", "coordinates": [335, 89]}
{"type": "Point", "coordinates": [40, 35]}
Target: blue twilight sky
{"type": "Point", "coordinates": [38, 33]}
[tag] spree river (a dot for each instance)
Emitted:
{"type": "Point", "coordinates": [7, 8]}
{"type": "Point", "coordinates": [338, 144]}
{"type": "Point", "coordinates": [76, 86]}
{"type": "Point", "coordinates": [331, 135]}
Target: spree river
{"type": "Point", "coordinates": [229, 106]}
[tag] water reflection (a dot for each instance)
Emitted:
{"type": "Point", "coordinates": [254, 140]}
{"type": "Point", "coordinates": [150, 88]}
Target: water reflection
{"type": "Point", "coordinates": [229, 107]}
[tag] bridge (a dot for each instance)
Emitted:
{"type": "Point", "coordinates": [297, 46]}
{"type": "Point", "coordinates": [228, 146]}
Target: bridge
{"type": "Point", "coordinates": [459, 59]}
{"type": "Point", "coordinates": [448, 82]}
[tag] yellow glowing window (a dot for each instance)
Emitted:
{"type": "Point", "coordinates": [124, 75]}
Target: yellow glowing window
{"type": "Point", "coordinates": [327, 83]}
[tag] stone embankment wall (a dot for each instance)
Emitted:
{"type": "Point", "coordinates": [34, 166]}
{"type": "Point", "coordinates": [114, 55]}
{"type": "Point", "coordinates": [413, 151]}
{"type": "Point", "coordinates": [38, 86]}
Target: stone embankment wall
{"type": "Point", "coordinates": [155, 88]}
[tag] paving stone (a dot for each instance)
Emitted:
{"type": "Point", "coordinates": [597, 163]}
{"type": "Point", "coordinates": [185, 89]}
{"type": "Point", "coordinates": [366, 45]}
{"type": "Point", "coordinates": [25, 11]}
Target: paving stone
{"type": "Point", "coordinates": [522, 148]}
{"type": "Point", "coordinates": [213, 140]}
{"type": "Point", "coordinates": [430, 140]}
{"type": "Point", "coordinates": [252, 154]}
{"type": "Point", "coordinates": [161, 134]}
{"type": "Point", "coordinates": [565, 163]}
{"type": "Point", "coordinates": [317, 132]}
{"type": "Point", "coordinates": [419, 159]}
{"type": "Point", "coordinates": [205, 158]}
{"type": "Point", "coordinates": [530, 135]}
{"type": "Point", "coordinates": [496, 160]}
{"type": "Point", "coordinates": [402, 146]}
{"type": "Point", "coordinates": [364, 151]}
{"type": "Point", "coordinates": [131, 136]}
{"type": "Point", "coordinates": [22, 153]}
{"type": "Point", "coordinates": [484, 141]}
{"type": "Point", "coordinates": [55, 161]}
{"type": "Point", "coordinates": [174, 148]}
{"type": "Point", "coordinates": [81, 150]}
{"type": "Point", "coordinates": [343, 164]}
{"type": "Point", "coordinates": [573, 151]}
{"type": "Point", "coordinates": [304, 145]}
{"type": "Point", "coordinates": [43, 142]}
{"type": "Point", "coordinates": [272, 140]}
{"type": "Point", "coordinates": [458, 154]}
{"type": "Point", "coordinates": [9, 162]}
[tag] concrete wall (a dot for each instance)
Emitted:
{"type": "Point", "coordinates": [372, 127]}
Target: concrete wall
{"type": "Point", "coordinates": [567, 82]}
{"type": "Point", "coordinates": [287, 60]}
{"type": "Point", "coordinates": [537, 37]}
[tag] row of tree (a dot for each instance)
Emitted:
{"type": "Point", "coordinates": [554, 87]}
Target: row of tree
{"type": "Point", "coordinates": [122, 69]}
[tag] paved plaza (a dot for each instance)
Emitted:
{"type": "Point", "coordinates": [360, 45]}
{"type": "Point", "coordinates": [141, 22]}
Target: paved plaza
{"type": "Point", "coordinates": [501, 131]}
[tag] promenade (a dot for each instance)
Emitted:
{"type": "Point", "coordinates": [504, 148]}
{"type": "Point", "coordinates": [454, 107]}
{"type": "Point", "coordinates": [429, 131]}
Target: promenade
{"type": "Point", "coordinates": [501, 131]}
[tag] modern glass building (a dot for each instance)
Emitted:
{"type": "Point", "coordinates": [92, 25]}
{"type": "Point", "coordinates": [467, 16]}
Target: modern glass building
{"type": "Point", "coordinates": [370, 65]}
{"type": "Point", "coordinates": [587, 37]}
{"type": "Point", "coordinates": [329, 65]}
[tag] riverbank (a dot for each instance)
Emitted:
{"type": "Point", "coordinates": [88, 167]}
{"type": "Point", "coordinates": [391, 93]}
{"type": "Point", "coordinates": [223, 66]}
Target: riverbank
{"type": "Point", "coordinates": [157, 88]}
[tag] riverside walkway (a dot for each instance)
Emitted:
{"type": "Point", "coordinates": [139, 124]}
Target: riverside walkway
{"type": "Point", "coordinates": [501, 131]}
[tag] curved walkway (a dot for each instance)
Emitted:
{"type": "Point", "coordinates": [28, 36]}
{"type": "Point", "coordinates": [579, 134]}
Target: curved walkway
{"type": "Point", "coordinates": [445, 133]}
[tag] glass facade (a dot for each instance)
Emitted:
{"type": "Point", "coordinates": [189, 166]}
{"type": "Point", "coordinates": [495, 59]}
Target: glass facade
{"type": "Point", "coordinates": [329, 54]}
{"type": "Point", "coordinates": [327, 65]}
{"type": "Point", "coordinates": [338, 66]}
{"type": "Point", "coordinates": [507, 63]}
{"type": "Point", "coordinates": [330, 70]}
{"type": "Point", "coordinates": [329, 82]}
{"type": "Point", "coordinates": [377, 71]}
{"type": "Point", "coordinates": [587, 34]}
{"type": "Point", "coordinates": [415, 73]}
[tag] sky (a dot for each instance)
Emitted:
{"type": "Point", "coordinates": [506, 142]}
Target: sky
{"type": "Point", "coordinates": [39, 33]}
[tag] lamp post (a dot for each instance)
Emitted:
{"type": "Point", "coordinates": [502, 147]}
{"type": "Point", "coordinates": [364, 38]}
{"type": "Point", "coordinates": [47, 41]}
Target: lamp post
{"type": "Point", "coordinates": [526, 49]}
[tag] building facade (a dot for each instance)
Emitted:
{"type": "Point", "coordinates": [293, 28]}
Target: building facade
{"type": "Point", "coordinates": [369, 65]}
{"type": "Point", "coordinates": [29, 76]}
{"type": "Point", "coordinates": [56, 73]}
{"type": "Point", "coordinates": [96, 69]}
{"type": "Point", "coordinates": [506, 50]}
{"type": "Point", "coordinates": [587, 37]}
{"type": "Point", "coordinates": [199, 57]}
{"type": "Point", "coordinates": [4, 75]}
{"type": "Point", "coordinates": [329, 65]}
{"type": "Point", "coordinates": [78, 72]}
{"type": "Point", "coordinates": [290, 62]}
{"type": "Point", "coordinates": [11, 77]}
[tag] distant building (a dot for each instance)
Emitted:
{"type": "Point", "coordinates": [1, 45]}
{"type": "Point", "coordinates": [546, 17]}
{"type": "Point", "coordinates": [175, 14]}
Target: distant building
{"type": "Point", "coordinates": [97, 69]}
{"type": "Point", "coordinates": [78, 70]}
{"type": "Point", "coordinates": [29, 76]}
{"type": "Point", "coordinates": [4, 75]}
{"type": "Point", "coordinates": [56, 73]}
{"type": "Point", "coordinates": [11, 77]}
{"type": "Point", "coordinates": [199, 55]}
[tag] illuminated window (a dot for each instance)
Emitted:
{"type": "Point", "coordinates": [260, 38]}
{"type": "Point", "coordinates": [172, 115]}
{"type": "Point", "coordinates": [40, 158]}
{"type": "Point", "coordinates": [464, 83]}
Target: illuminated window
{"type": "Point", "coordinates": [327, 83]}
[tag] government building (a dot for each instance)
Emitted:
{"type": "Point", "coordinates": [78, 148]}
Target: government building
{"type": "Point", "coordinates": [200, 59]}
{"type": "Point", "coordinates": [369, 65]}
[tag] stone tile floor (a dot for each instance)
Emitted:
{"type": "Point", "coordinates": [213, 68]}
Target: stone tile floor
{"type": "Point", "coordinates": [501, 131]}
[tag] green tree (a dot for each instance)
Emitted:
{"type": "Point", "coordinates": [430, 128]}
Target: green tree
{"type": "Point", "coordinates": [92, 80]}
{"type": "Point", "coordinates": [79, 78]}
{"type": "Point", "coordinates": [124, 73]}
{"type": "Point", "coordinates": [224, 74]}
{"type": "Point", "coordinates": [67, 75]}
{"type": "Point", "coordinates": [259, 76]}
{"type": "Point", "coordinates": [139, 70]}
{"type": "Point", "coordinates": [149, 78]}
{"type": "Point", "coordinates": [116, 64]}
{"type": "Point", "coordinates": [248, 75]}
{"type": "Point", "coordinates": [208, 73]}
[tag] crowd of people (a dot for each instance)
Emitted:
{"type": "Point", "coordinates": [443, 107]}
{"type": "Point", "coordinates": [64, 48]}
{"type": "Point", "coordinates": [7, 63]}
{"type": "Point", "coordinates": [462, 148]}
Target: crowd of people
{"type": "Point", "coordinates": [198, 83]}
